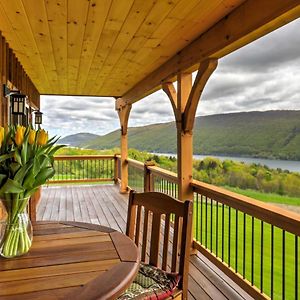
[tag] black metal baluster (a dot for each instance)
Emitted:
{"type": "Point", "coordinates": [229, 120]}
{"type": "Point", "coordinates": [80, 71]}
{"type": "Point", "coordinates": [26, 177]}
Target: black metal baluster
{"type": "Point", "coordinates": [59, 171]}
{"type": "Point", "coordinates": [252, 250]}
{"type": "Point", "coordinates": [201, 220]}
{"type": "Point", "coordinates": [296, 267]}
{"type": "Point", "coordinates": [261, 256]}
{"type": "Point", "coordinates": [62, 170]}
{"type": "Point", "coordinates": [283, 264]}
{"type": "Point", "coordinates": [229, 233]}
{"type": "Point", "coordinates": [217, 226]}
{"type": "Point", "coordinates": [272, 262]}
{"type": "Point", "coordinates": [197, 217]}
{"type": "Point", "coordinates": [211, 223]}
{"type": "Point", "coordinates": [205, 222]}
{"type": "Point", "coordinates": [244, 245]}
{"type": "Point", "coordinates": [236, 239]}
{"type": "Point", "coordinates": [107, 166]}
{"type": "Point", "coordinates": [71, 169]}
{"type": "Point", "coordinates": [223, 232]}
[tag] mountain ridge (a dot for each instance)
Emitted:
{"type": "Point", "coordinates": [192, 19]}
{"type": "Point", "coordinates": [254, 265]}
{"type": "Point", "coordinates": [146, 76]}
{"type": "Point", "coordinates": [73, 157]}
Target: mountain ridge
{"type": "Point", "coordinates": [267, 134]}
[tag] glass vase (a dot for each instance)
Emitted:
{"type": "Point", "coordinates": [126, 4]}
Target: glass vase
{"type": "Point", "coordinates": [15, 226]}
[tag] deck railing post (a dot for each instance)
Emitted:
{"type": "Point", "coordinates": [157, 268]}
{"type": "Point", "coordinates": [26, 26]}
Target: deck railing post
{"type": "Point", "coordinates": [116, 168]}
{"type": "Point", "coordinates": [148, 177]}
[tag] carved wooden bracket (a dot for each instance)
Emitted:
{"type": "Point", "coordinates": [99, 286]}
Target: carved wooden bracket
{"type": "Point", "coordinates": [123, 110]}
{"type": "Point", "coordinates": [185, 100]}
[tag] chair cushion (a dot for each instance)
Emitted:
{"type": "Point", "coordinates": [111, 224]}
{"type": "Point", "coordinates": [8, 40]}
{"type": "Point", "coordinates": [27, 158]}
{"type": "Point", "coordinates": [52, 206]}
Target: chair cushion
{"type": "Point", "coordinates": [151, 283]}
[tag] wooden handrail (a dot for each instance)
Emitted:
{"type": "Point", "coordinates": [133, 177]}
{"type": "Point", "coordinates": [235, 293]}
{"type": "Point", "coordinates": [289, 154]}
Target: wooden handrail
{"type": "Point", "coordinates": [236, 277]}
{"type": "Point", "coordinates": [170, 176]}
{"type": "Point", "coordinates": [271, 214]}
{"type": "Point", "coordinates": [83, 157]}
{"type": "Point", "coordinates": [135, 163]}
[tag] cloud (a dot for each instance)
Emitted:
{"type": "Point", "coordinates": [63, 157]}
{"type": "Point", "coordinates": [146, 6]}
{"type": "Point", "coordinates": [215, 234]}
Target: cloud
{"type": "Point", "coordinates": [280, 47]}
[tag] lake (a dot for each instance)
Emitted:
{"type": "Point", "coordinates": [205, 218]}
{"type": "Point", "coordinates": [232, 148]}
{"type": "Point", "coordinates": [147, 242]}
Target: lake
{"type": "Point", "coordinates": [293, 166]}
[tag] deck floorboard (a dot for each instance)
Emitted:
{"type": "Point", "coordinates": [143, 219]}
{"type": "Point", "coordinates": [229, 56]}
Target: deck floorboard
{"type": "Point", "coordinates": [103, 204]}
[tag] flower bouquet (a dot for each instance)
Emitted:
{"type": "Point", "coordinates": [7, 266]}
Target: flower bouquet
{"type": "Point", "coordinates": [26, 162]}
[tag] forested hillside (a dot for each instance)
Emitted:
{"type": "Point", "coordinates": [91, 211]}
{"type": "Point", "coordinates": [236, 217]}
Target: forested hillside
{"type": "Point", "coordinates": [269, 134]}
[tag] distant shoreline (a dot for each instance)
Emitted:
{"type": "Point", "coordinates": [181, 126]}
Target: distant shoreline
{"type": "Point", "coordinates": [290, 165]}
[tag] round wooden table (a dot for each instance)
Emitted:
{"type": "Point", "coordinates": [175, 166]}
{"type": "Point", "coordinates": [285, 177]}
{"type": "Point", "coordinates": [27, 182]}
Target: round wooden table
{"type": "Point", "coordinates": [70, 260]}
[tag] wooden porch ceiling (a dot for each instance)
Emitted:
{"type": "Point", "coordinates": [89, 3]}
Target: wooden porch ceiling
{"type": "Point", "coordinates": [127, 47]}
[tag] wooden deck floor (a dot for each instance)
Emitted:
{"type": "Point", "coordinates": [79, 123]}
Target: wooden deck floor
{"type": "Point", "coordinates": [103, 204]}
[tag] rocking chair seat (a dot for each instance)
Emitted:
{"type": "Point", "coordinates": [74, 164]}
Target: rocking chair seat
{"type": "Point", "coordinates": [151, 283]}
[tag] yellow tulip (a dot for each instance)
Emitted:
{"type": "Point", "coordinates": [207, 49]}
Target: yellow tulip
{"type": "Point", "coordinates": [1, 135]}
{"type": "Point", "coordinates": [42, 137]}
{"type": "Point", "coordinates": [19, 137]}
{"type": "Point", "coordinates": [31, 137]}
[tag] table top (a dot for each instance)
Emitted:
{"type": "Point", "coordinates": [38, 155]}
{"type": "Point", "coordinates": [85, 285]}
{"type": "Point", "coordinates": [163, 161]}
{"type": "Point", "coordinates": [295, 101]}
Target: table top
{"type": "Point", "coordinates": [70, 260]}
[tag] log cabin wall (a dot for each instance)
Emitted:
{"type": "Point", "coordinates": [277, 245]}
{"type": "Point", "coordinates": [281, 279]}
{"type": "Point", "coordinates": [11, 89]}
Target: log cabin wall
{"type": "Point", "coordinates": [14, 76]}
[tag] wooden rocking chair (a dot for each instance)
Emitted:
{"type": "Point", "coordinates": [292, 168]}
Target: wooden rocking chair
{"type": "Point", "coordinates": [167, 218]}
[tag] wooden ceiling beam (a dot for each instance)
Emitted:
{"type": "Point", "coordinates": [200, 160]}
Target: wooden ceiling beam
{"type": "Point", "coordinates": [250, 21]}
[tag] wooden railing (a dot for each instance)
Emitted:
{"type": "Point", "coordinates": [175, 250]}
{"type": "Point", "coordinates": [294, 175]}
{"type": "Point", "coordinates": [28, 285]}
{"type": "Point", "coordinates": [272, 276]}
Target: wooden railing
{"type": "Point", "coordinates": [254, 243]}
{"type": "Point", "coordinates": [135, 175]}
{"type": "Point", "coordinates": [90, 168]}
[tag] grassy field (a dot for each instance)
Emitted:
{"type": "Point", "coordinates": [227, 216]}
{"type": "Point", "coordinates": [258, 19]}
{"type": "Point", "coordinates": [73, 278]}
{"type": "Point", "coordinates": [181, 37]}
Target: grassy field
{"type": "Point", "coordinates": [266, 197]}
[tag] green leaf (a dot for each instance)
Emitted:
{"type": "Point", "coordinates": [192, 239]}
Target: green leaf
{"type": "Point", "coordinates": [6, 156]}
{"type": "Point", "coordinates": [29, 180]}
{"type": "Point", "coordinates": [14, 167]}
{"type": "Point", "coordinates": [11, 186]}
{"type": "Point", "coordinates": [55, 149]}
{"type": "Point", "coordinates": [20, 175]}
{"type": "Point", "coordinates": [44, 161]}
{"type": "Point", "coordinates": [2, 178]}
{"type": "Point", "coordinates": [43, 176]}
{"type": "Point", "coordinates": [17, 156]}
{"type": "Point", "coordinates": [24, 149]}
{"type": "Point", "coordinates": [36, 166]}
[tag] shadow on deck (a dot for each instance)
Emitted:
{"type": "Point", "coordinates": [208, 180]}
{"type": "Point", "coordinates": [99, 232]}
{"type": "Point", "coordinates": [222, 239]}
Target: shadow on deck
{"type": "Point", "coordinates": [103, 204]}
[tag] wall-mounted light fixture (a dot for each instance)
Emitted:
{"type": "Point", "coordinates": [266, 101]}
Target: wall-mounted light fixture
{"type": "Point", "coordinates": [38, 117]}
{"type": "Point", "coordinates": [17, 101]}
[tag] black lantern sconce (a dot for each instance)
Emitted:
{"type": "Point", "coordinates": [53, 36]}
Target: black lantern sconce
{"type": "Point", "coordinates": [18, 103]}
{"type": "Point", "coordinates": [38, 117]}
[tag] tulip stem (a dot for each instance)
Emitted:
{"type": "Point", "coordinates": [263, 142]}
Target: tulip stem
{"type": "Point", "coordinates": [16, 240]}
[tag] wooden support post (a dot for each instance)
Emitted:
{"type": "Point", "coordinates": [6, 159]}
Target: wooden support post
{"type": "Point", "coordinates": [123, 112]}
{"type": "Point", "coordinates": [148, 177]}
{"type": "Point", "coordinates": [184, 103]}
{"type": "Point", "coordinates": [184, 140]}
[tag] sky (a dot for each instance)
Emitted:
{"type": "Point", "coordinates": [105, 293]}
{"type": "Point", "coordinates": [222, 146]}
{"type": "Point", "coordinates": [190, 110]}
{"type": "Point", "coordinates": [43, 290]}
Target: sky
{"type": "Point", "coordinates": [264, 75]}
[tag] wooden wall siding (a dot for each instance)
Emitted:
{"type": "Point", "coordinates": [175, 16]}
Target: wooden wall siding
{"type": "Point", "coordinates": [13, 75]}
{"type": "Point", "coordinates": [102, 47]}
